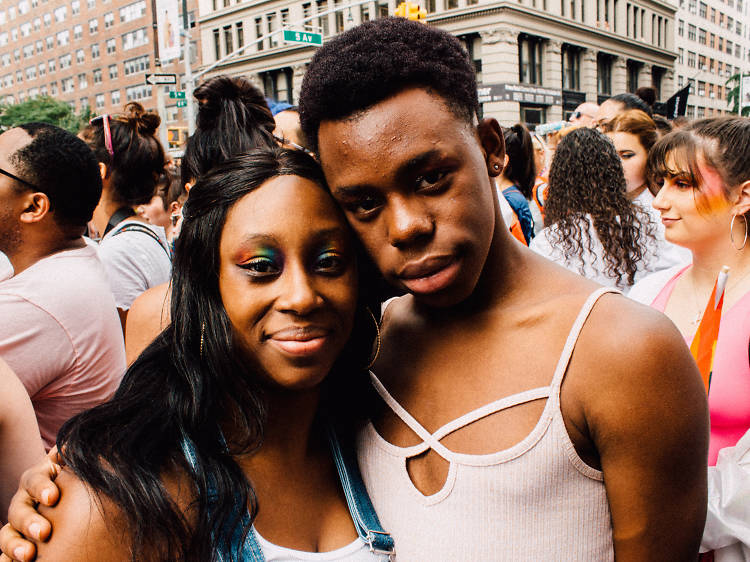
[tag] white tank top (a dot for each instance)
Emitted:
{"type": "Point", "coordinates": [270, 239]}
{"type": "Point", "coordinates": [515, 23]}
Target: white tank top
{"type": "Point", "coordinates": [536, 501]}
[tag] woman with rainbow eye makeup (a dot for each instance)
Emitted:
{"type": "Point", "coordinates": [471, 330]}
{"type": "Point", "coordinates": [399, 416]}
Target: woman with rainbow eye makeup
{"type": "Point", "coordinates": [241, 449]}
{"type": "Point", "coordinates": [703, 177]}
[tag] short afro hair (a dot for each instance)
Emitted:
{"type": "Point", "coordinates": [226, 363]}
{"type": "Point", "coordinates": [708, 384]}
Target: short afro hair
{"type": "Point", "coordinates": [65, 169]}
{"type": "Point", "coordinates": [377, 60]}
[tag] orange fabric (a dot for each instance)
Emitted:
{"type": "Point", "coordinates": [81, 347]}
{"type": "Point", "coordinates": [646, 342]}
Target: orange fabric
{"type": "Point", "coordinates": [539, 193]}
{"type": "Point", "coordinates": [517, 231]}
{"type": "Point", "coordinates": [703, 345]}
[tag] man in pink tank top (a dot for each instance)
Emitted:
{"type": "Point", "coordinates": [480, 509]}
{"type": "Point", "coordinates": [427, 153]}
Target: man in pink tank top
{"type": "Point", "coordinates": [525, 416]}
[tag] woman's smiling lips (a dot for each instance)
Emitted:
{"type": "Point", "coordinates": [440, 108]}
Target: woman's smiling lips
{"type": "Point", "coordinates": [667, 221]}
{"type": "Point", "coordinates": [430, 274]}
{"type": "Point", "coordinates": [300, 340]}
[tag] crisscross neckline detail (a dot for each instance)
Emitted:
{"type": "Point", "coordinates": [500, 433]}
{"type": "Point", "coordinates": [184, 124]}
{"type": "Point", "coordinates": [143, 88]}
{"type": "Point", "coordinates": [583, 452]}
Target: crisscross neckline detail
{"type": "Point", "coordinates": [551, 393]}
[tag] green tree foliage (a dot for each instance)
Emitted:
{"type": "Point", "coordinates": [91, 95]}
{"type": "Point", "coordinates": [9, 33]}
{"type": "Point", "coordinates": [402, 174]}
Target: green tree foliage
{"type": "Point", "coordinates": [733, 95]}
{"type": "Point", "coordinates": [43, 109]}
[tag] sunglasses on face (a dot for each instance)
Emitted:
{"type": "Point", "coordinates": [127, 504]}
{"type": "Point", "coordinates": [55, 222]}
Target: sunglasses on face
{"type": "Point", "coordinates": [19, 180]}
{"type": "Point", "coordinates": [107, 131]}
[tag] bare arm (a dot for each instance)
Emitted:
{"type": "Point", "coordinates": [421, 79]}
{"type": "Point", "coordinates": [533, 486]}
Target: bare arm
{"type": "Point", "coordinates": [148, 316]}
{"type": "Point", "coordinates": [20, 443]}
{"type": "Point", "coordinates": [82, 529]}
{"type": "Point", "coordinates": [647, 415]}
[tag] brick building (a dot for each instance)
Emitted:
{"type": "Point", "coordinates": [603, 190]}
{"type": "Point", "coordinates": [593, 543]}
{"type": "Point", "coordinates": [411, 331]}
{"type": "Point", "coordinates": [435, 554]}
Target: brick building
{"type": "Point", "coordinates": [90, 53]}
{"type": "Point", "coordinates": [712, 46]}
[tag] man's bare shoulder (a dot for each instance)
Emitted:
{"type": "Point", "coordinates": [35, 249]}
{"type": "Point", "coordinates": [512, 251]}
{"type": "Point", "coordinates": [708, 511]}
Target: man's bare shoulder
{"type": "Point", "coordinates": [147, 317]}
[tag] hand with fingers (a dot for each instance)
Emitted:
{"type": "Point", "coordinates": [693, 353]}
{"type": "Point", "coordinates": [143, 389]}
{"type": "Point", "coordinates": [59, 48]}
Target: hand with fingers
{"type": "Point", "coordinates": [25, 524]}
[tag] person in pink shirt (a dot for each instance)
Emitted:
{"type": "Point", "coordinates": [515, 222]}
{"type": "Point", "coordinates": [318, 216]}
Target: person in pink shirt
{"type": "Point", "coordinates": [59, 329]}
{"type": "Point", "coordinates": [704, 200]}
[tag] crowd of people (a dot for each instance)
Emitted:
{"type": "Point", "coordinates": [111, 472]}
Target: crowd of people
{"type": "Point", "coordinates": [377, 325]}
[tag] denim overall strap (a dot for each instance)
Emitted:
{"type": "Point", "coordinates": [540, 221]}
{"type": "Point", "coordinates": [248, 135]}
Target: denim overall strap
{"type": "Point", "coordinates": [247, 551]}
{"type": "Point", "coordinates": [360, 507]}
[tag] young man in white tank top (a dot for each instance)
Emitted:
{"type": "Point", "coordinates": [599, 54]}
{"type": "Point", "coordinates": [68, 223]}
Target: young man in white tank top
{"type": "Point", "coordinates": [610, 463]}
{"type": "Point", "coordinates": [525, 416]}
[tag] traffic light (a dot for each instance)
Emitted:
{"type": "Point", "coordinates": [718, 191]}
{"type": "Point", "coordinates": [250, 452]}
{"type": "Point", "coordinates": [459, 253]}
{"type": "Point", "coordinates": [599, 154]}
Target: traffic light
{"type": "Point", "coordinates": [410, 11]}
{"type": "Point", "coordinates": [176, 137]}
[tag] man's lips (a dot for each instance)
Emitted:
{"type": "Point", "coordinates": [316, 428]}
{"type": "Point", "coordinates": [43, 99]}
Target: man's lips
{"type": "Point", "coordinates": [300, 340]}
{"type": "Point", "coordinates": [429, 275]}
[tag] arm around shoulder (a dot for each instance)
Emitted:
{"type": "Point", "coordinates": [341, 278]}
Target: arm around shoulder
{"type": "Point", "coordinates": [84, 527]}
{"type": "Point", "coordinates": [20, 442]}
{"type": "Point", "coordinates": [648, 419]}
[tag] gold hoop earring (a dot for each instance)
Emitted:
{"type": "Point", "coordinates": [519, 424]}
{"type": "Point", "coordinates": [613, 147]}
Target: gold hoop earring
{"type": "Point", "coordinates": [377, 340]}
{"type": "Point", "coordinates": [203, 332]}
{"type": "Point", "coordinates": [731, 232]}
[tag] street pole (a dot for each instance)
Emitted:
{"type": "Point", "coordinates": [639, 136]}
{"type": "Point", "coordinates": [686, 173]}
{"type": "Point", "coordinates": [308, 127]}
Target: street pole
{"type": "Point", "coordinates": [188, 84]}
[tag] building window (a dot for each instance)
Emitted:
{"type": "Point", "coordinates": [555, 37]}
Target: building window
{"type": "Point", "coordinates": [136, 93]}
{"type": "Point", "coordinates": [95, 51]}
{"type": "Point", "coordinates": [273, 39]}
{"type": "Point", "coordinates": [134, 39]}
{"type": "Point", "coordinates": [111, 46]}
{"type": "Point", "coordinates": [530, 59]}
{"type": "Point", "coordinates": [133, 11]}
{"type": "Point", "coordinates": [228, 46]}
{"type": "Point", "coordinates": [112, 71]}
{"type": "Point", "coordinates": [97, 75]}
{"type": "Point", "coordinates": [93, 26]}
{"type": "Point", "coordinates": [258, 33]}
{"type": "Point", "coordinates": [702, 36]}
{"type": "Point", "coordinates": [115, 96]}
{"type": "Point", "coordinates": [77, 32]}
{"type": "Point", "coordinates": [633, 69]}
{"type": "Point", "coordinates": [701, 62]}
{"type": "Point", "coordinates": [691, 32]}
{"type": "Point", "coordinates": [322, 6]}
{"type": "Point", "coordinates": [99, 101]}
{"type": "Point", "coordinates": [135, 65]}
{"type": "Point", "coordinates": [82, 81]}
{"type": "Point", "coordinates": [701, 88]}
{"type": "Point", "coordinates": [691, 59]}
{"type": "Point", "coordinates": [217, 45]}
{"type": "Point", "coordinates": [109, 20]}
{"type": "Point", "coordinates": [75, 7]}
{"type": "Point", "coordinates": [240, 34]}
{"type": "Point", "coordinates": [571, 67]}
{"type": "Point", "coordinates": [277, 84]}
{"type": "Point", "coordinates": [680, 55]}
{"type": "Point", "coordinates": [80, 57]}
{"type": "Point", "coordinates": [338, 16]}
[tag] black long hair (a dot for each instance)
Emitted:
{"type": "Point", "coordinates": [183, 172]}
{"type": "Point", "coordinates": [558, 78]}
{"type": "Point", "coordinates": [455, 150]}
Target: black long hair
{"type": "Point", "coordinates": [586, 177]}
{"type": "Point", "coordinates": [233, 117]}
{"type": "Point", "coordinates": [174, 393]}
{"type": "Point", "coordinates": [519, 147]}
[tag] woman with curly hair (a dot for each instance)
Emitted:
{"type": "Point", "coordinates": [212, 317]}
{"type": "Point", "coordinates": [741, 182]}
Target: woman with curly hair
{"type": "Point", "coordinates": [591, 227]}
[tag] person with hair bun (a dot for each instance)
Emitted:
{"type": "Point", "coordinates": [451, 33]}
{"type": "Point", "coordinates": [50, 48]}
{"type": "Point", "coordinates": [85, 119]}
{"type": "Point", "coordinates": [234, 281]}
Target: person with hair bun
{"type": "Point", "coordinates": [517, 179]}
{"type": "Point", "coordinates": [135, 254]}
{"type": "Point", "coordinates": [703, 177]}
{"type": "Point", "coordinates": [590, 225]}
{"type": "Point", "coordinates": [233, 117]}
{"type": "Point", "coordinates": [634, 133]}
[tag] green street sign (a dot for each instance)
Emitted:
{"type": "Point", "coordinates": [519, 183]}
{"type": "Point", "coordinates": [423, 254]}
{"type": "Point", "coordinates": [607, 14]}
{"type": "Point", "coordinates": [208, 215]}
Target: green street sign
{"type": "Point", "coordinates": [303, 37]}
{"type": "Point", "coordinates": [181, 103]}
{"type": "Point", "coordinates": [178, 95]}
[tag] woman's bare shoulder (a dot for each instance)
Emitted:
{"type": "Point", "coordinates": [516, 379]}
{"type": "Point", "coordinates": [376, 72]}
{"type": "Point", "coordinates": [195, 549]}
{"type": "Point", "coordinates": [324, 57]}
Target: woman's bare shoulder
{"type": "Point", "coordinates": [86, 526]}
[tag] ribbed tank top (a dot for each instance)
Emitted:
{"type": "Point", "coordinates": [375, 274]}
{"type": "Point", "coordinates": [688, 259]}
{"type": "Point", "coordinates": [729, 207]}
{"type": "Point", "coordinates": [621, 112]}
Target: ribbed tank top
{"type": "Point", "coordinates": [535, 501]}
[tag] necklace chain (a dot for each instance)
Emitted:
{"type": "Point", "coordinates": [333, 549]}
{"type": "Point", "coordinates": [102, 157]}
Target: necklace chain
{"type": "Point", "coordinates": [701, 309]}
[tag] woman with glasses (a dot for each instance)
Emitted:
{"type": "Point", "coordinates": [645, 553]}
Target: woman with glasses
{"type": "Point", "coordinates": [135, 254]}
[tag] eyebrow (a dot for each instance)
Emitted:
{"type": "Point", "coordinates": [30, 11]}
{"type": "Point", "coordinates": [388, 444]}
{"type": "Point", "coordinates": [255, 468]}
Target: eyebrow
{"type": "Point", "coordinates": [405, 169]}
{"type": "Point", "coordinates": [317, 235]}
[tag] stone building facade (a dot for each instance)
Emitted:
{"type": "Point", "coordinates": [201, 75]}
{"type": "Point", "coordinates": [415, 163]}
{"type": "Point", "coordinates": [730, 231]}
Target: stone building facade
{"type": "Point", "coordinates": [536, 60]}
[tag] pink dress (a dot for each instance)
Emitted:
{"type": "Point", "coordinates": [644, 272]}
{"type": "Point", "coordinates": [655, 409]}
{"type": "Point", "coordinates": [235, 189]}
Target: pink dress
{"type": "Point", "coordinates": [729, 398]}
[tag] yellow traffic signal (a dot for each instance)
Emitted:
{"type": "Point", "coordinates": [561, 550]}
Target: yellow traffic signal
{"type": "Point", "coordinates": [176, 137]}
{"type": "Point", "coordinates": [411, 11]}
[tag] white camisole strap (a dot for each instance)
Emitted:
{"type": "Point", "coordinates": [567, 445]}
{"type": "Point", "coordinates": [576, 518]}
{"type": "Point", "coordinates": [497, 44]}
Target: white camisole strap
{"type": "Point", "coordinates": [575, 331]}
{"type": "Point", "coordinates": [432, 440]}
